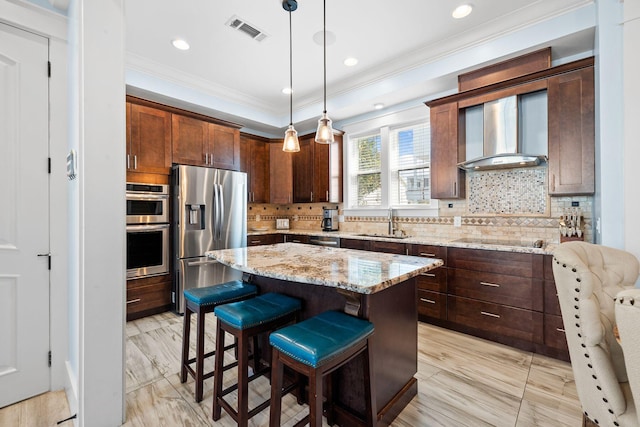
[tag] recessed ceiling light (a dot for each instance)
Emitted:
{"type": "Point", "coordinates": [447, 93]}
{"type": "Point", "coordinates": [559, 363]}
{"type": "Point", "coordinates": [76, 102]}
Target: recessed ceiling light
{"type": "Point", "coordinates": [350, 62]}
{"type": "Point", "coordinates": [462, 11]}
{"type": "Point", "coordinates": [180, 44]}
{"type": "Point", "coordinates": [287, 90]}
{"type": "Point", "coordinates": [378, 106]}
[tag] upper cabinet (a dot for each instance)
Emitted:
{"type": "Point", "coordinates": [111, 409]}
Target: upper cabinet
{"type": "Point", "coordinates": [200, 143]}
{"type": "Point", "coordinates": [254, 160]}
{"type": "Point", "coordinates": [572, 133]}
{"type": "Point", "coordinates": [447, 180]}
{"type": "Point", "coordinates": [280, 174]}
{"type": "Point", "coordinates": [317, 171]}
{"type": "Point", "coordinates": [148, 140]}
{"type": "Point", "coordinates": [570, 130]}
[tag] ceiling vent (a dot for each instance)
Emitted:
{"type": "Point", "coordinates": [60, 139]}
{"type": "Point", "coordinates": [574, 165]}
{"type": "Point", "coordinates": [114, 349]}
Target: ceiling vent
{"type": "Point", "coordinates": [244, 27]}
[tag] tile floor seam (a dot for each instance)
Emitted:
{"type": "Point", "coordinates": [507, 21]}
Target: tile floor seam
{"type": "Point", "coordinates": [524, 390]}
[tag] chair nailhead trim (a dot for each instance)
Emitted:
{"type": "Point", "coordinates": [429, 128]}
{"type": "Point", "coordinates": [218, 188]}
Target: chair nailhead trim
{"type": "Point", "coordinates": [574, 269]}
{"type": "Point", "coordinates": [578, 280]}
{"type": "Point", "coordinates": [576, 299]}
{"type": "Point", "coordinates": [583, 345]}
{"type": "Point", "coordinates": [577, 325]}
{"type": "Point", "coordinates": [589, 365]}
{"type": "Point", "coordinates": [577, 289]}
{"type": "Point", "coordinates": [611, 412]}
{"type": "Point", "coordinates": [604, 399]}
{"type": "Point", "coordinates": [599, 388]}
{"type": "Point", "coordinates": [579, 335]}
{"type": "Point", "coordinates": [615, 423]}
{"type": "Point", "coordinates": [632, 301]}
{"type": "Point", "coordinates": [621, 300]}
{"type": "Point", "coordinates": [594, 377]}
{"type": "Point", "coordinates": [586, 355]}
{"type": "Point", "coordinates": [577, 316]}
{"type": "Point", "coordinates": [576, 307]}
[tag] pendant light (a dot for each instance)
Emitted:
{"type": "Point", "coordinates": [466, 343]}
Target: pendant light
{"type": "Point", "coordinates": [324, 134]}
{"type": "Point", "coordinates": [291, 143]}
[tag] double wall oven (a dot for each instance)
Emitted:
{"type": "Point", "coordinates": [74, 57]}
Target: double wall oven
{"type": "Point", "coordinates": [147, 230]}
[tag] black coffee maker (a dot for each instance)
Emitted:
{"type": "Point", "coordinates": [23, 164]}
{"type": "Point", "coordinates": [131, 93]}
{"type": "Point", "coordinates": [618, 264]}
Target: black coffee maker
{"type": "Point", "coordinates": [329, 219]}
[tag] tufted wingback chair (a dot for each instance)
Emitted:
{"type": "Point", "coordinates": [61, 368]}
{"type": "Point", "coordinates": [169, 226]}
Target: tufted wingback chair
{"type": "Point", "coordinates": [588, 277]}
{"type": "Point", "coordinates": [628, 321]}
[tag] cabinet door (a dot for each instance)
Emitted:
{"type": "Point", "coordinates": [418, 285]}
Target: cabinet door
{"type": "Point", "coordinates": [388, 247]}
{"type": "Point", "coordinates": [190, 141]}
{"type": "Point", "coordinates": [303, 171]}
{"type": "Point", "coordinates": [447, 180]}
{"type": "Point", "coordinates": [571, 133]}
{"type": "Point", "coordinates": [150, 140]}
{"type": "Point", "coordinates": [327, 172]}
{"type": "Point", "coordinates": [128, 136]}
{"type": "Point", "coordinates": [280, 175]}
{"type": "Point", "coordinates": [259, 172]}
{"type": "Point", "coordinates": [224, 147]}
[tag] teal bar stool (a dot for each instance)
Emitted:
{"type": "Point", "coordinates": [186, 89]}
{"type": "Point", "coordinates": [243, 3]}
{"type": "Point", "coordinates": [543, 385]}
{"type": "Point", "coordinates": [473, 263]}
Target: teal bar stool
{"type": "Point", "coordinates": [316, 347]}
{"type": "Point", "coordinates": [245, 320]}
{"type": "Point", "coordinates": [201, 301]}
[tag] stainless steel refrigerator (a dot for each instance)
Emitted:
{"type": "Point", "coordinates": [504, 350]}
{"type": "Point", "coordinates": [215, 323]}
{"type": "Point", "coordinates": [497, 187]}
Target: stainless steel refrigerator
{"type": "Point", "coordinates": [210, 212]}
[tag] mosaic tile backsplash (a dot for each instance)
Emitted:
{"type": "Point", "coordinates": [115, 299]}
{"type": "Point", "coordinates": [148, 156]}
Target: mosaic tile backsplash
{"type": "Point", "coordinates": [514, 191]}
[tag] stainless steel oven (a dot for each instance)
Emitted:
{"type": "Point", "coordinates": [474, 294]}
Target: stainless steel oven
{"type": "Point", "coordinates": [147, 250]}
{"type": "Point", "coordinates": [147, 203]}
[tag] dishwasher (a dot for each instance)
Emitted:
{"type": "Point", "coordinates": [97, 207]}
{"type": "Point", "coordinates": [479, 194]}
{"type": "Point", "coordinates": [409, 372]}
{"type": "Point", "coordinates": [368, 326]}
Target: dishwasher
{"type": "Point", "coordinates": [329, 241]}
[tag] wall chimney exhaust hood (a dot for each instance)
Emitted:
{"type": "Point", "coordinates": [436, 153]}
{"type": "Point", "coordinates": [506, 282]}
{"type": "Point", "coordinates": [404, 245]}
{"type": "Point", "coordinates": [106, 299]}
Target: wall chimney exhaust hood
{"type": "Point", "coordinates": [501, 134]}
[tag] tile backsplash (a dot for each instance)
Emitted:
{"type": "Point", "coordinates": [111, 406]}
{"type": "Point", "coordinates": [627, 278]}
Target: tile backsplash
{"type": "Point", "coordinates": [510, 204]}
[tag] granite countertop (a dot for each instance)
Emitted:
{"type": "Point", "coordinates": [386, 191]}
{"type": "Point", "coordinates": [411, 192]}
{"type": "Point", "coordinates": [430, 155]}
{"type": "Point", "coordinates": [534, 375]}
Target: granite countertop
{"type": "Point", "coordinates": [488, 244]}
{"type": "Point", "coordinates": [353, 270]}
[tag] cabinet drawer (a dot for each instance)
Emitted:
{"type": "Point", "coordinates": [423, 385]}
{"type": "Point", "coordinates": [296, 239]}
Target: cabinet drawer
{"type": "Point", "coordinates": [554, 335]}
{"type": "Point", "coordinates": [429, 251]}
{"type": "Point", "coordinates": [296, 238]}
{"type": "Point", "coordinates": [498, 288]}
{"type": "Point", "coordinates": [354, 244]}
{"type": "Point", "coordinates": [264, 239]}
{"type": "Point", "coordinates": [387, 247]}
{"type": "Point", "coordinates": [148, 297]}
{"type": "Point", "coordinates": [495, 318]}
{"type": "Point", "coordinates": [432, 304]}
{"type": "Point", "coordinates": [501, 262]}
{"type": "Point", "coordinates": [551, 303]}
{"type": "Point", "coordinates": [433, 280]}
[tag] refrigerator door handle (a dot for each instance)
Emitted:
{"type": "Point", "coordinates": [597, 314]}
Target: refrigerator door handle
{"type": "Point", "coordinates": [196, 263]}
{"type": "Point", "coordinates": [221, 216]}
{"type": "Point", "coordinates": [216, 212]}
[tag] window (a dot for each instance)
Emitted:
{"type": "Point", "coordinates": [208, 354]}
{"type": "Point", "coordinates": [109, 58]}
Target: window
{"type": "Point", "coordinates": [366, 183]}
{"type": "Point", "coordinates": [390, 167]}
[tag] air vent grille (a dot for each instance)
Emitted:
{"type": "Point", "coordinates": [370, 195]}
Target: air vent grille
{"type": "Point", "coordinates": [243, 26]}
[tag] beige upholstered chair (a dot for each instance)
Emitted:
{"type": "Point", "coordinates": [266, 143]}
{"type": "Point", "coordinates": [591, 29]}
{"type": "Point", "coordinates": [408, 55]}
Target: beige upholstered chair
{"type": "Point", "coordinates": [588, 278]}
{"type": "Point", "coordinates": [628, 321]}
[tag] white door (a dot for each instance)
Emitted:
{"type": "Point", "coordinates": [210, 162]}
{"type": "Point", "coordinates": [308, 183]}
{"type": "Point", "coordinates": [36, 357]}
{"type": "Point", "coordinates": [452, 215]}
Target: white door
{"type": "Point", "coordinates": [24, 215]}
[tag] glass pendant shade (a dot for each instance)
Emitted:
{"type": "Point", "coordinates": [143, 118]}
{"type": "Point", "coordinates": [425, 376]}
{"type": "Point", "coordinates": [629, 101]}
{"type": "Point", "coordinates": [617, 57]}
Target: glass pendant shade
{"type": "Point", "coordinates": [291, 144]}
{"type": "Point", "coordinates": [324, 134]}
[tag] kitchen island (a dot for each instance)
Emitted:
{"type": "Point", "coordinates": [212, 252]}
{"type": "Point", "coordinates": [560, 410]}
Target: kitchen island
{"type": "Point", "coordinates": [378, 287]}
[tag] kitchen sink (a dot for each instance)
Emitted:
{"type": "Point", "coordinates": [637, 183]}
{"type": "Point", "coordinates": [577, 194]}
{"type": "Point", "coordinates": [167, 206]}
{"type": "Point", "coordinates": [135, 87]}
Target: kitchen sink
{"type": "Point", "coordinates": [385, 236]}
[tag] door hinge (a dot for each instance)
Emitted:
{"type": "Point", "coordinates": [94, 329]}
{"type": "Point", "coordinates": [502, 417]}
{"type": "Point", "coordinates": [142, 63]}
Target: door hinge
{"type": "Point", "coordinates": [48, 255]}
{"type": "Point", "coordinates": [49, 358]}
{"type": "Point", "coordinates": [49, 68]}
{"type": "Point", "coordinates": [49, 164]}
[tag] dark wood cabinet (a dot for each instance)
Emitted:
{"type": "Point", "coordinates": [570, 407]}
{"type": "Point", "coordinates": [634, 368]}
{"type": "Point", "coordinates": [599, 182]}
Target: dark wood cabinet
{"type": "Point", "coordinates": [554, 334]}
{"type": "Point", "coordinates": [387, 247]}
{"type": "Point", "coordinates": [317, 171]}
{"type": "Point", "coordinates": [147, 296]}
{"type": "Point", "coordinates": [200, 143]}
{"type": "Point", "coordinates": [148, 140]}
{"type": "Point", "coordinates": [264, 239]}
{"type": "Point", "coordinates": [280, 175]}
{"type": "Point", "coordinates": [432, 304]}
{"type": "Point", "coordinates": [447, 148]}
{"type": "Point", "coordinates": [359, 244]}
{"type": "Point", "coordinates": [254, 160]}
{"type": "Point", "coordinates": [571, 99]}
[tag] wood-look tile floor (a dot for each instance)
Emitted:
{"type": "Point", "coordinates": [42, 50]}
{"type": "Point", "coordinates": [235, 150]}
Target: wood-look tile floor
{"type": "Point", "coordinates": [462, 381]}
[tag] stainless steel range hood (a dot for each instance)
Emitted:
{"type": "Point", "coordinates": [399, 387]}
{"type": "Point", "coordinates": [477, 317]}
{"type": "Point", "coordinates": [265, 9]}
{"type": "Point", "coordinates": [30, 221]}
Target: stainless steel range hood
{"type": "Point", "coordinates": [500, 148]}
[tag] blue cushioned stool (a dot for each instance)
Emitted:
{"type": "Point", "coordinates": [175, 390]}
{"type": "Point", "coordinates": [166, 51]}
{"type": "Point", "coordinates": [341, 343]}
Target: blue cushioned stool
{"type": "Point", "coordinates": [201, 301]}
{"type": "Point", "coordinates": [316, 347]}
{"type": "Point", "coordinates": [245, 320]}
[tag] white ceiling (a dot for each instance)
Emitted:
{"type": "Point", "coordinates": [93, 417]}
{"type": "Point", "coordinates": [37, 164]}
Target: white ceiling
{"type": "Point", "coordinates": [408, 52]}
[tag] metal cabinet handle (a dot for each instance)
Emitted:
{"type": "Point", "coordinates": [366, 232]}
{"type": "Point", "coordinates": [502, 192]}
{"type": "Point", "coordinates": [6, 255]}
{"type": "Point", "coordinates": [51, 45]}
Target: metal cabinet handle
{"type": "Point", "coordinates": [430, 301]}
{"type": "Point", "coordinates": [485, 313]}
{"type": "Point", "coordinates": [132, 301]}
{"type": "Point", "coordinates": [327, 195]}
{"type": "Point", "coordinates": [256, 241]}
{"type": "Point", "coordinates": [135, 162]}
{"type": "Point", "coordinates": [427, 255]}
{"type": "Point", "coordinates": [493, 285]}
{"type": "Point", "coordinates": [128, 161]}
{"type": "Point", "coordinates": [206, 158]}
{"type": "Point", "coordinates": [312, 196]}
{"type": "Point", "coordinates": [560, 330]}
{"type": "Point", "coordinates": [553, 182]}
{"type": "Point", "coordinates": [455, 188]}
{"type": "Point", "coordinates": [428, 274]}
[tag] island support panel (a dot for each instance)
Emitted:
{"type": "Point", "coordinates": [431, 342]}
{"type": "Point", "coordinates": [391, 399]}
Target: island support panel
{"type": "Point", "coordinates": [395, 344]}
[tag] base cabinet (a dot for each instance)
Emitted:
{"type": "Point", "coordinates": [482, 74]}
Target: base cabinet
{"type": "Point", "coordinates": [265, 239]}
{"type": "Point", "coordinates": [147, 296]}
